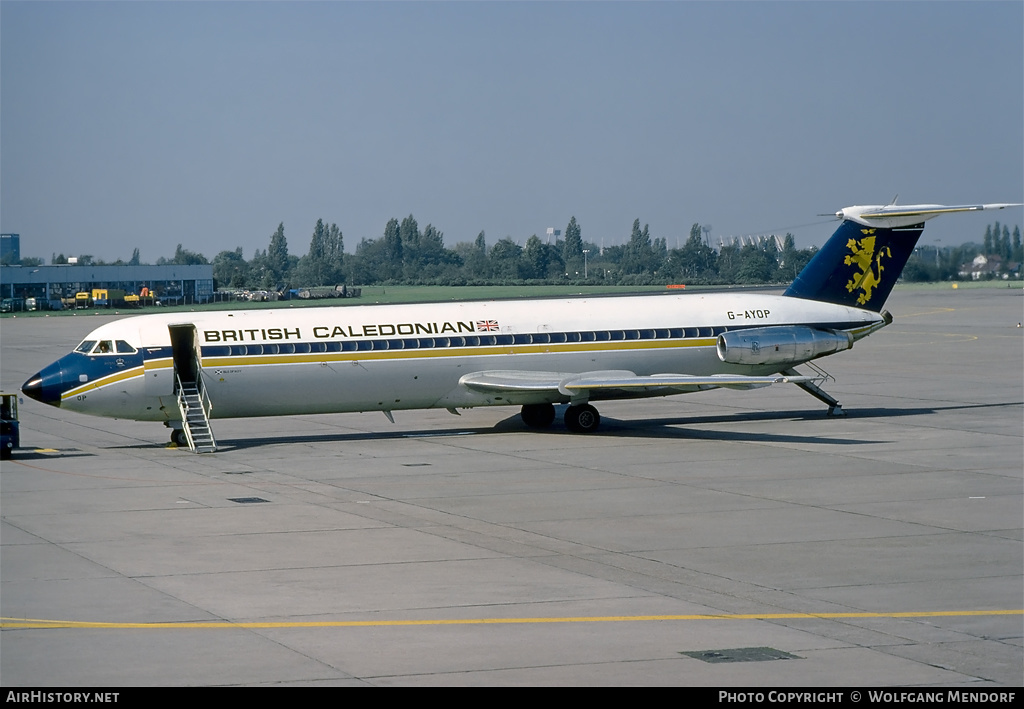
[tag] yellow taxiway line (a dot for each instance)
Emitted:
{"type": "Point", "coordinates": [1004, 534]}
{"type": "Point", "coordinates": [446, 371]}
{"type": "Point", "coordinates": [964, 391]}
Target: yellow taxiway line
{"type": "Point", "coordinates": [36, 623]}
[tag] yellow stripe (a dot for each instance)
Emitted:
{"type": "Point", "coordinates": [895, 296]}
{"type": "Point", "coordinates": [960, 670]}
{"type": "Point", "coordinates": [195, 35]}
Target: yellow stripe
{"type": "Point", "coordinates": [35, 623]}
{"type": "Point", "coordinates": [103, 381]}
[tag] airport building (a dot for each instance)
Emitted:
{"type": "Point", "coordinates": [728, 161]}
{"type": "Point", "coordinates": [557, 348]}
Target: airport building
{"type": "Point", "coordinates": [169, 284]}
{"type": "Point", "coordinates": [10, 248]}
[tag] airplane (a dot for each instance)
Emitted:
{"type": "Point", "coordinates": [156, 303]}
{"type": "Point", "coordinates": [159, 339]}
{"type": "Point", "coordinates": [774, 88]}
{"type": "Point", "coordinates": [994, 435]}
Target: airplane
{"type": "Point", "coordinates": [184, 369]}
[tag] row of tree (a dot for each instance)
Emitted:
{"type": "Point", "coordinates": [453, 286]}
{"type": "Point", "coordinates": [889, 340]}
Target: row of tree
{"type": "Point", "coordinates": [408, 255]}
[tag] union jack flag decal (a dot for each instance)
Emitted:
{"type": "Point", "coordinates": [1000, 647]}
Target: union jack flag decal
{"type": "Point", "coordinates": [486, 325]}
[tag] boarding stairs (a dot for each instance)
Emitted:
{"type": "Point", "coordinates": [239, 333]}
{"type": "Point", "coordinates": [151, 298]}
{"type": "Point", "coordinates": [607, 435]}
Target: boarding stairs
{"type": "Point", "coordinates": [195, 409]}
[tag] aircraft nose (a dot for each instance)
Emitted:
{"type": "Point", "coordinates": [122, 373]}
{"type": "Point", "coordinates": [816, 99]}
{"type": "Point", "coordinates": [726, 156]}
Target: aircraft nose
{"type": "Point", "coordinates": [45, 386]}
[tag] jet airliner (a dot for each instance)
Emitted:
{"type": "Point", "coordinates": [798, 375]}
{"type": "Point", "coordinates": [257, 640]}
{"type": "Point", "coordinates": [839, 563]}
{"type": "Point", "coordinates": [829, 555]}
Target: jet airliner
{"type": "Point", "coordinates": [185, 369]}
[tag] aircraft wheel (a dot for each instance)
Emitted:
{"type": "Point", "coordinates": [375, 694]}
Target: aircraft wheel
{"type": "Point", "coordinates": [582, 419]}
{"type": "Point", "coordinates": [179, 438]}
{"type": "Point", "coordinates": [538, 415]}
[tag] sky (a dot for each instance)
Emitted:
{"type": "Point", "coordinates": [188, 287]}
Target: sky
{"type": "Point", "coordinates": [145, 125]}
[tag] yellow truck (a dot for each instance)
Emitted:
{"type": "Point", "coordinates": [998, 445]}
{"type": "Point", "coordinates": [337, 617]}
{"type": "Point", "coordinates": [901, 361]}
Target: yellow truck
{"type": "Point", "coordinates": [107, 297]}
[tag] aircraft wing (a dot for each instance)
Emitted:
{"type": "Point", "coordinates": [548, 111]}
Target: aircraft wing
{"type": "Point", "coordinates": [575, 384]}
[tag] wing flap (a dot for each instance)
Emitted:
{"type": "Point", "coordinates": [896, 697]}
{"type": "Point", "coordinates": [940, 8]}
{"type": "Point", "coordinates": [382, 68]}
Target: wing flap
{"type": "Point", "coordinates": [679, 381]}
{"type": "Point", "coordinates": [574, 385]}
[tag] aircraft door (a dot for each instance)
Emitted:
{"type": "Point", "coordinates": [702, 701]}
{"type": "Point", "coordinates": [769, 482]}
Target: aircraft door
{"type": "Point", "coordinates": [185, 353]}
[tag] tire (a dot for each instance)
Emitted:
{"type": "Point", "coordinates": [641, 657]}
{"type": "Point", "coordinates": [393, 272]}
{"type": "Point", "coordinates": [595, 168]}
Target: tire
{"type": "Point", "coordinates": [582, 419]}
{"type": "Point", "coordinates": [538, 415]}
{"type": "Point", "coordinates": [179, 438]}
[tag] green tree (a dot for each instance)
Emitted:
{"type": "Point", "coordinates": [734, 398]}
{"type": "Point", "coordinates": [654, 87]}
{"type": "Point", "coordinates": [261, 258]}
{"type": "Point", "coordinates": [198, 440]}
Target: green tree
{"type": "Point", "coordinates": [322, 264]}
{"type": "Point", "coordinates": [572, 246]}
{"type": "Point", "coordinates": [334, 255]}
{"type": "Point", "coordinates": [474, 258]}
{"type": "Point", "coordinates": [278, 262]}
{"type": "Point", "coordinates": [230, 269]}
{"type": "Point", "coordinates": [184, 257]}
{"type": "Point", "coordinates": [696, 260]}
{"type": "Point", "coordinates": [392, 269]}
{"type": "Point", "coordinates": [758, 263]}
{"type": "Point", "coordinates": [535, 258]}
{"type": "Point", "coordinates": [505, 259]}
{"type": "Point", "coordinates": [639, 253]}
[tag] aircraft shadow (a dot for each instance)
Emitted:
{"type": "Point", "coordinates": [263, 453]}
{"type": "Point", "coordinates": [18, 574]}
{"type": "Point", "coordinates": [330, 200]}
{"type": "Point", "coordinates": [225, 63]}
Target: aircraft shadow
{"type": "Point", "coordinates": [27, 454]}
{"type": "Point", "coordinates": [677, 427]}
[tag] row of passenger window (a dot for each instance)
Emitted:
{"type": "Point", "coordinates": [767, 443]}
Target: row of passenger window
{"type": "Point", "coordinates": [541, 338]}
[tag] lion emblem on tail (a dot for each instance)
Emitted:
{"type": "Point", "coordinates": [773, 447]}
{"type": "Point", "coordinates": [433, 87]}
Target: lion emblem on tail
{"type": "Point", "coordinates": [863, 257]}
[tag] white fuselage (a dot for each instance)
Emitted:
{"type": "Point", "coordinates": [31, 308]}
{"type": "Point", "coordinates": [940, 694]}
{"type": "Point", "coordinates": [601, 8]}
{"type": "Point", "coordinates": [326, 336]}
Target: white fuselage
{"type": "Point", "coordinates": [391, 357]}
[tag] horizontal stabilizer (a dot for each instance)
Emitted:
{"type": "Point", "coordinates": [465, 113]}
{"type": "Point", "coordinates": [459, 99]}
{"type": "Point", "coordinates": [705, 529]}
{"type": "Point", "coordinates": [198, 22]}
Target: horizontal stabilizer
{"type": "Point", "coordinates": [893, 216]}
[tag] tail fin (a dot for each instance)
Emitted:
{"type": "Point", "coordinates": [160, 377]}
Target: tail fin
{"type": "Point", "coordinates": [861, 262]}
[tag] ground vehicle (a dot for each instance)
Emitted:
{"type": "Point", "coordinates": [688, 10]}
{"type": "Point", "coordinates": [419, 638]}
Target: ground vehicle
{"type": "Point", "coordinates": [10, 431]}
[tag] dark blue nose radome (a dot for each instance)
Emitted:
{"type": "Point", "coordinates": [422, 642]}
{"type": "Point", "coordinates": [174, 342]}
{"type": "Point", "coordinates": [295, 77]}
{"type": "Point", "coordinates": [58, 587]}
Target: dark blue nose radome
{"type": "Point", "coordinates": [46, 386]}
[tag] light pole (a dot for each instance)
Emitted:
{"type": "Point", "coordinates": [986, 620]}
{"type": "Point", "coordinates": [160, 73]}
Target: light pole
{"type": "Point", "coordinates": [585, 252]}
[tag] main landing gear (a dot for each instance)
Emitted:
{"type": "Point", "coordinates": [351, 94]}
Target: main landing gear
{"type": "Point", "coordinates": [582, 418]}
{"type": "Point", "coordinates": [538, 415]}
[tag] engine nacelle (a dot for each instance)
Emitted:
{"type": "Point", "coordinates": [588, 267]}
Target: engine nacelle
{"type": "Point", "coordinates": [780, 345]}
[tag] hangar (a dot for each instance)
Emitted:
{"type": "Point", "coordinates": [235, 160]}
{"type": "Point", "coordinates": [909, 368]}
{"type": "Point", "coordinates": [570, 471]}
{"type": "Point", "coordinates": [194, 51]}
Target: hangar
{"type": "Point", "coordinates": [169, 283]}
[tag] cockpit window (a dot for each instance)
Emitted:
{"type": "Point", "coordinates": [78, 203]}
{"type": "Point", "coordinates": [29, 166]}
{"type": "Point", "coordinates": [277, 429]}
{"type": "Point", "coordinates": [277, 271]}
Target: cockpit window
{"type": "Point", "coordinates": [86, 346]}
{"type": "Point", "coordinates": [124, 348]}
{"type": "Point", "coordinates": [104, 347]}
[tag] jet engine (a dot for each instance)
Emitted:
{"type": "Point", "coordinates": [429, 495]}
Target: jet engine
{"type": "Point", "coordinates": [782, 345]}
